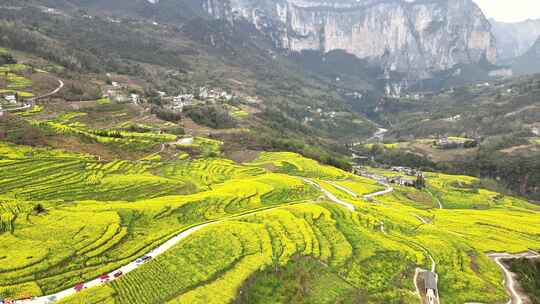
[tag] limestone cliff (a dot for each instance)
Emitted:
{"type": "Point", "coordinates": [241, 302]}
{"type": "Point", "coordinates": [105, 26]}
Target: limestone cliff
{"type": "Point", "coordinates": [515, 39]}
{"type": "Point", "coordinates": [406, 36]}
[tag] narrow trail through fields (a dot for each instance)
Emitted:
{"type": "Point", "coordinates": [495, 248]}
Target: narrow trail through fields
{"type": "Point", "coordinates": [436, 199]}
{"type": "Point", "coordinates": [344, 189]}
{"type": "Point", "coordinates": [330, 196]}
{"type": "Point", "coordinates": [516, 297]}
{"type": "Point", "coordinates": [379, 193]}
{"type": "Point", "coordinates": [47, 299]}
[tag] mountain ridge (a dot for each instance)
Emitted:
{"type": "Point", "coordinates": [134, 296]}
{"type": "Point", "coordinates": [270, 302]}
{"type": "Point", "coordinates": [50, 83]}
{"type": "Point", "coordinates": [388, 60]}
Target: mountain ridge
{"type": "Point", "coordinates": [414, 39]}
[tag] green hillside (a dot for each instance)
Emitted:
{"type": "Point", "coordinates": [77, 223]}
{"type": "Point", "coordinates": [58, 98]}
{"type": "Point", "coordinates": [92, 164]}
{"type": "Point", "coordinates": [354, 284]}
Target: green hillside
{"type": "Point", "coordinates": [247, 199]}
{"type": "Point", "coordinates": [263, 215]}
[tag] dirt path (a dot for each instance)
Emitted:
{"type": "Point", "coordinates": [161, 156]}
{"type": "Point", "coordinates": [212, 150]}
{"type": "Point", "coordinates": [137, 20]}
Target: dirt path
{"type": "Point", "coordinates": [379, 193]}
{"type": "Point", "coordinates": [331, 196]}
{"type": "Point", "coordinates": [421, 219]}
{"type": "Point", "coordinates": [516, 297]}
{"type": "Point", "coordinates": [436, 199]}
{"type": "Point", "coordinates": [344, 189]}
{"type": "Point", "coordinates": [60, 86]}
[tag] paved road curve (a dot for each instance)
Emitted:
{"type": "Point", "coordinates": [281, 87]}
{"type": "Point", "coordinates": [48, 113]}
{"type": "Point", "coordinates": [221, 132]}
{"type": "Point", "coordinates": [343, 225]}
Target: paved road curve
{"type": "Point", "coordinates": [331, 196]}
{"type": "Point", "coordinates": [31, 101]}
{"type": "Point", "coordinates": [509, 280]}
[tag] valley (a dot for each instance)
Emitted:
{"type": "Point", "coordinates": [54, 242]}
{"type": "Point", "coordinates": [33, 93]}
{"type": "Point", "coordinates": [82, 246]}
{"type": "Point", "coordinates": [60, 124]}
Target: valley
{"type": "Point", "coordinates": [184, 151]}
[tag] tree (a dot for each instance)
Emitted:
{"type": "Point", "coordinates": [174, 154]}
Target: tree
{"type": "Point", "coordinates": [39, 209]}
{"type": "Point", "coordinates": [420, 182]}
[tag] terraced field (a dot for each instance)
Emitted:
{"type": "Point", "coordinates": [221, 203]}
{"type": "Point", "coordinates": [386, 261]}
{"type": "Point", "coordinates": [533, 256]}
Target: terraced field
{"type": "Point", "coordinates": [106, 214]}
{"type": "Point", "coordinates": [68, 125]}
{"type": "Point", "coordinates": [14, 80]}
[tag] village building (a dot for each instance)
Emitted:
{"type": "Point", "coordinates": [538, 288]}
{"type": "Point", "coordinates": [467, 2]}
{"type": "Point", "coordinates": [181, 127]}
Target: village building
{"type": "Point", "coordinates": [355, 95]}
{"type": "Point", "coordinates": [402, 181]}
{"type": "Point", "coordinates": [447, 143]}
{"type": "Point", "coordinates": [206, 94]}
{"type": "Point", "coordinates": [11, 98]}
{"type": "Point", "coordinates": [135, 98]}
{"type": "Point", "coordinates": [119, 98]}
{"type": "Point", "coordinates": [406, 170]}
{"type": "Point", "coordinates": [453, 118]}
{"type": "Point", "coordinates": [430, 286]}
{"type": "Point", "coordinates": [179, 102]}
{"type": "Point", "coordinates": [203, 93]}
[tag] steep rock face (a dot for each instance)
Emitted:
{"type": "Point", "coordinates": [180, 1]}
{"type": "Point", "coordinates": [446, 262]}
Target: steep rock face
{"type": "Point", "coordinates": [515, 39]}
{"type": "Point", "coordinates": [528, 63]}
{"type": "Point", "coordinates": [406, 36]}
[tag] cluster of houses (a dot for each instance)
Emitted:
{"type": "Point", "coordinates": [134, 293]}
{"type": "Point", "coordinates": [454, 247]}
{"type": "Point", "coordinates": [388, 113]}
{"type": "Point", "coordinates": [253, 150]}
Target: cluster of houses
{"type": "Point", "coordinates": [319, 112]}
{"type": "Point", "coordinates": [406, 170]}
{"type": "Point", "coordinates": [411, 178]}
{"type": "Point", "coordinates": [9, 98]}
{"type": "Point", "coordinates": [206, 94]}
{"type": "Point", "coordinates": [414, 176]}
{"type": "Point", "coordinates": [118, 93]}
{"type": "Point", "coordinates": [179, 102]}
{"type": "Point", "coordinates": [402, 181]}
{"type": "Point", "coordinates": [453, 118]}
{"type": "Point", "coordinates": [355, 95]}
{"type": "Point", "coordinates": [448, 143]}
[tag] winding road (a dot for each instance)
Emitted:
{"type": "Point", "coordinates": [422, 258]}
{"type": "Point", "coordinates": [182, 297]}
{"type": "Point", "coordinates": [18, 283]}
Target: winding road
{"type": "Point", "coordinates": [60, 86]}
{"type": "Point", "coordinates": [379, 193]}
{"type": "Point", "coordinates": [330, 196]}
{"type": "Point", "coordinates": [32, 100]}
{"type": "Point", "coordinates": [509, 278]}
{"type": "Point", "coordinates": [165, 247]}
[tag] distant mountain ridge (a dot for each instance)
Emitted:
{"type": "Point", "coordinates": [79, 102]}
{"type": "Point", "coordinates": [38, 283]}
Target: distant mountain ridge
{"type": "Point", "coordinates": [515, 39]}
{"type": "Point", "coordinates": [528, 63]}
{"type": "Point", "coordinates": [411, 37]}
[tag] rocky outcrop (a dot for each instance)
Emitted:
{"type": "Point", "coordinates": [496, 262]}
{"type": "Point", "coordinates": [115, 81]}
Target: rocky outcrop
{"type": "Point", "coordinates": [515, 39]}
{"type": "Point", "coordinates": [406, 36]}
{"type": "Point", "coordinates": [528, 63]}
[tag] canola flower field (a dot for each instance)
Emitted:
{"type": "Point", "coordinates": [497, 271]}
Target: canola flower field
{"type": "Point", "coordinates": [67, 218]}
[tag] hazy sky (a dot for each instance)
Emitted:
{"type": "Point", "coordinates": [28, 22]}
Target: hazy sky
{"type": "Point", "coordinates": [510, 10]}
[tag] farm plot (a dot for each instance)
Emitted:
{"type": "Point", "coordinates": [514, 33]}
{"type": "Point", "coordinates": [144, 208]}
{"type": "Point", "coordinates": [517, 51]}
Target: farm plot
{"type": "Point", "coordinates": [295, 164]}
{"type": "Point", "coordinates": [67, 124]}
{"type": "Point", "coordinates": [104, 215]}
{"type": "Point", "coordinates": [461, 192]}
{"type": "Point", "coordinates": [213, 264]}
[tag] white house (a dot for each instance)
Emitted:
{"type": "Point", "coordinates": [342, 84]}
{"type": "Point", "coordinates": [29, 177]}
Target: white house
{"type": "Point", "coordinates": [203, 93]}
{"type": "Point", "coordinates": [135, 98]}
{"type": "Point", "coordinates": [430, 287]}
{"type": "Point", "coordinates": [179, 102]}
{"type": "Point", "coordinates": [11, 98]}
